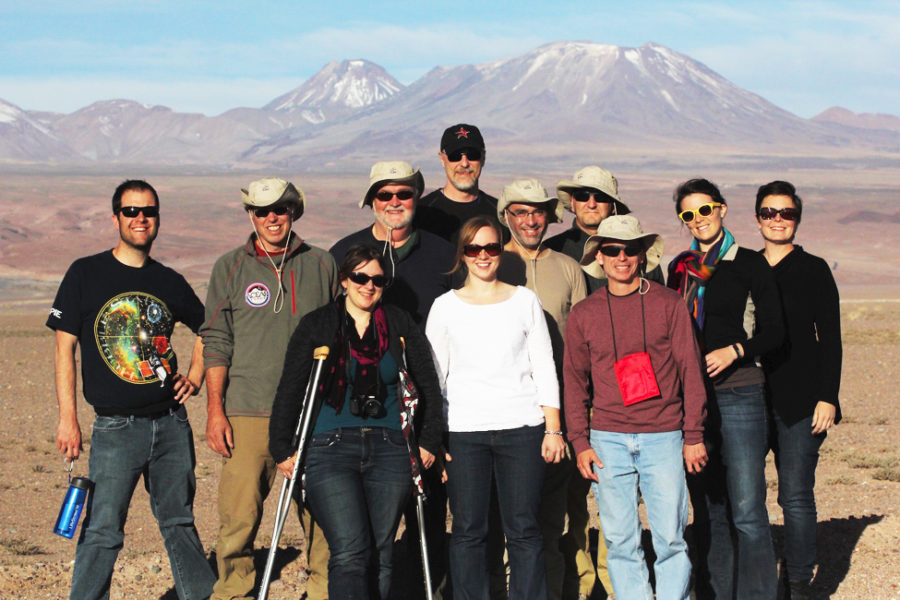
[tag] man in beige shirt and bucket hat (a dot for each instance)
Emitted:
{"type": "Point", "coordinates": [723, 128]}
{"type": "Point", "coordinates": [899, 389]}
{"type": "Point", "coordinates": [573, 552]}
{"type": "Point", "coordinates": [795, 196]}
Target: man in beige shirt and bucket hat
{"type": "Point", "coordinates": [526, 209]}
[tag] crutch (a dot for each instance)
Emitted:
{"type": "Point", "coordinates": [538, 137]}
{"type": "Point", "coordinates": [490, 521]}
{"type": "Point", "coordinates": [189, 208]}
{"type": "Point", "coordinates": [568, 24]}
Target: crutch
{"type": "Point", "coordinates": [409, 402]}
{"type": "Point", "coordinates": [304, 425]}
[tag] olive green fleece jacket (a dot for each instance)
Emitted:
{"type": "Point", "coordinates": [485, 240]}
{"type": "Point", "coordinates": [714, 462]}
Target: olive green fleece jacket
{"type": "Point", "coordinates": [243, 332]}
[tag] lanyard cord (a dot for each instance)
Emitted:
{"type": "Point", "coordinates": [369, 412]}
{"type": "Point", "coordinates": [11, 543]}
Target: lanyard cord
{"type": "Point", "coordinates": [613, 327]}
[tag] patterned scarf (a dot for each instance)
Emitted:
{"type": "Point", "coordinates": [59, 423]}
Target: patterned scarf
{"type": "Point", "coordinates": [367, 350]}
{"type": "Point", "coordinates": [690, 271]}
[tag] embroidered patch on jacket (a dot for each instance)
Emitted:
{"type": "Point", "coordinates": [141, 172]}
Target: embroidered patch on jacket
{"type": "Point", "coordinates": [257, 295]}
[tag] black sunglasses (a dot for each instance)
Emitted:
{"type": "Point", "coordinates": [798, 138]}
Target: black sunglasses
{"type": "Point", "coordinates": [767, 213]}
{"type": "Point", "coordinates": [131, 212]}
{"type": "Point", "coordinates": [386, 196]}
{"type": "Point", "coordinates": [473, 154]}
{"type": "Point", "coordinates": [362, 279]}
{"type": "Point", "coordinates": [612, 251]}
{"type": "Point", "coordinates": [473, 250]}
{"type": "Point", "coordinates": [585, 195]}
{"type": "Point", "coordinates": [262, 213]}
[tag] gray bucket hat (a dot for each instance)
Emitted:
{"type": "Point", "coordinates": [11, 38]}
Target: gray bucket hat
{"type": "Point", "coordinates": [392, 171]}
{"type": "Point", "coordinates": [271, 190]}
{"type": "Point", "coordinates": [622, 228]}
{"type": "Point", "coordinates": [595, 178]}
{"type": "Point", "coordinates": [528, 191]}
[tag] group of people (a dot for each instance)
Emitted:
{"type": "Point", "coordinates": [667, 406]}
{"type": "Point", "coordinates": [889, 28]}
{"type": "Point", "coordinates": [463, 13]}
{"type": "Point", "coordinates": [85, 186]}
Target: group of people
{"type": "Point", "coordinates": [544, 368]}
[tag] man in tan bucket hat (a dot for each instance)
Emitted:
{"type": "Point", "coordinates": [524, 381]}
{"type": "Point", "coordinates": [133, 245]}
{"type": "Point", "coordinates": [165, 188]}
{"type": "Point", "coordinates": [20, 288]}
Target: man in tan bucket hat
{"type": "Point", "coordinates": [591, 195]}
{"type": "Point", "coordinates": [257, 295]}
{"type": "Point", "coordinates": [527, 210]}
{"type": "Point", "coordinates": [417, 263]}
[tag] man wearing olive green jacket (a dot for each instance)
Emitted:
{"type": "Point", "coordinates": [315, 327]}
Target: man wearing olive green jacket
{"type": "Point", "coordinates": [257, 295]}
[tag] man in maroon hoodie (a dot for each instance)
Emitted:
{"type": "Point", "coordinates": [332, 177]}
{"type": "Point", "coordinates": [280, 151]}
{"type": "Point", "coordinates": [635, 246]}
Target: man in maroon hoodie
{"type": "Point", "coordinates": [634, 405]}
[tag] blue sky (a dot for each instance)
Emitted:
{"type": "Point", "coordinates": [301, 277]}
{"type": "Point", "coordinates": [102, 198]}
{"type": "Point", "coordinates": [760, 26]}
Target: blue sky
{"type": "Point", "coordinates": [205, 56]}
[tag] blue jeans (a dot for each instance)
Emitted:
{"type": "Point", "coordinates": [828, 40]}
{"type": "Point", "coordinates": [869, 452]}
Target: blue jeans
{"type": "Point", "coordinates": [513, 457]}
{"type": "Point", "coordinates": [733, 537]}
{"type": "Point", "coordinates": [357, 482]}
{"type": "Point", "coordinates": [651, 463]}
{"type": "Point", "coordinates": [796, 456]}
{"type": "Point", "coordinates": [162, 450]}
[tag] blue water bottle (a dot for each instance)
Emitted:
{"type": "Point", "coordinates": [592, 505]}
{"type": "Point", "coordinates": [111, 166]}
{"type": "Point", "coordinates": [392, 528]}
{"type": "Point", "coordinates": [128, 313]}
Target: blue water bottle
{"type": "Point", "coordinates": [72, 505]}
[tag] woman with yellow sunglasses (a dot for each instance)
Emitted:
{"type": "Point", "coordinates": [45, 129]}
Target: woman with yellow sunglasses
{"type": "Point", "coordinates": [731, 293]}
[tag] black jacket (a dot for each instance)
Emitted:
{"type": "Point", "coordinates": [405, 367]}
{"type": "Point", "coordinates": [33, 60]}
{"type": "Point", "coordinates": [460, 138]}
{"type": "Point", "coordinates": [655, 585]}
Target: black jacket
{"type": "Point", "coordinates": [417, 278]}
{"type": "Point", "coordinates": [806, 368]}
{"type": "Point", "coordinates": [318, 328]}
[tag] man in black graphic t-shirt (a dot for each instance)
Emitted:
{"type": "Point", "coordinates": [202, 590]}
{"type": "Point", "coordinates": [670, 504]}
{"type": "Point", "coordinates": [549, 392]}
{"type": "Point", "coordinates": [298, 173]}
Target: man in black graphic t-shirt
{"type": "Point", "coordinates": [120, 306]}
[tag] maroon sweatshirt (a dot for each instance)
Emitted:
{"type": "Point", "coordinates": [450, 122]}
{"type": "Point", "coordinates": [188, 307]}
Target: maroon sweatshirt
{"type": "Point", "coordinates": [589, 360]}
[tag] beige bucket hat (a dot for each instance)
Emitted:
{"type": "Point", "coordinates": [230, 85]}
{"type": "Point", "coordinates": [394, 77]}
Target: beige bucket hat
{"type": "Point", "coordinates": [528, 191]}
{"type": "Point", "coordinates": [271, 190]}
{"type": "Point", "coordinates": [595, 178]}
{"type": "Point", "coordinates": [392, 171]}
{"type": "Point", "coordinates": [622, 228]}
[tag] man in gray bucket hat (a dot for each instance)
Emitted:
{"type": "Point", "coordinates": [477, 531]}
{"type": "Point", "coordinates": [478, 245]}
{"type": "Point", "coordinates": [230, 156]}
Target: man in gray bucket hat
{"type": "Point", "coordinates": [417, 262]}
{"type": "Point", "coordinates": [526, 209]}
{"type": "Point", "coordinates": [257, 295]}
{"type": "Point", "coordinates": [637, 426]}
{"type": "Point", "coordinates": [591, 195]}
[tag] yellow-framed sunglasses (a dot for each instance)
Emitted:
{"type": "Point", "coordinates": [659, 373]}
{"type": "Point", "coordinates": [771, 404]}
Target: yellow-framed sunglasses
{"type": "Point", "coordinates": [704, 210]}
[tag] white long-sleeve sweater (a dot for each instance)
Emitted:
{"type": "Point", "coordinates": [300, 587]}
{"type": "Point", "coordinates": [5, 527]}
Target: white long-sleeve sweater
{"type": "Point", "coordinates": [494, 361]}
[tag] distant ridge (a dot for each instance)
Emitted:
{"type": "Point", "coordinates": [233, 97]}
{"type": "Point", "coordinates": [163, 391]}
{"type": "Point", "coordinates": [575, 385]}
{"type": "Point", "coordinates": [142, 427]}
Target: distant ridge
{"type": "Point", "coordinates": [554, 103]}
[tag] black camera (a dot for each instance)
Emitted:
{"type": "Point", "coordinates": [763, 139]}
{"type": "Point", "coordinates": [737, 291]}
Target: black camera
{"type": "Point", "coordinates": [366, 405]}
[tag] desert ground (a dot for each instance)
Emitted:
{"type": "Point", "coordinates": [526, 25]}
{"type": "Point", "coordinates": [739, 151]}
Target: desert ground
{"type": "Point", "coordinates": [47, 220]}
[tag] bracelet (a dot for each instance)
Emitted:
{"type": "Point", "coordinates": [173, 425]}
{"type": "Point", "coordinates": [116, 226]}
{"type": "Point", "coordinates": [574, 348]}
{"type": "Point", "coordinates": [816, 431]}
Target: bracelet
{"type": "Point", "coordinates": [548, 432]}
{"type": "Point", "coordinates": [737, 350]}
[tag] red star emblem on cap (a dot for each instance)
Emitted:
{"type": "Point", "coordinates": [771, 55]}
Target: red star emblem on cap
{"type": "Point", "coordinates": [462, 133]}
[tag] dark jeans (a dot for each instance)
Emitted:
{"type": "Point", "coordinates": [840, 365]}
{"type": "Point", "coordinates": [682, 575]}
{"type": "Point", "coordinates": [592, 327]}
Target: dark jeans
{"type": "Point", "coordinates": [357, 482]}
{"type": "Point", "coordinates": [122, 450]}
{"type": "Point", "coordinates": [796, 456]}
{"type": "Point", "coordinates": [731, 524]}
{"type": "Point", "coordinates": [513, 457]}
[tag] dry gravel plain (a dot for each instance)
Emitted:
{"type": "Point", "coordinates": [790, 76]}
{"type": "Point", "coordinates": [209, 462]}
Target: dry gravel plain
{"type": "Point", "coordinates": [858, 485]}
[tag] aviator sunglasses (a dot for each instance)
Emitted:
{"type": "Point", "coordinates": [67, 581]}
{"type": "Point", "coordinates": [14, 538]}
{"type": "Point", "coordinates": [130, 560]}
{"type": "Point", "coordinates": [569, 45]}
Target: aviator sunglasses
{"type": "Point", "coordinates": [704, 210]}
{"type": "Point", "coordinates": [473, 250]}
{"type": "Point", "coordinates": [262, 213]}
{"type": "Point", "coordinates": [473, 154]}
{"type": "Point", "coordinates": [767, 213]}
{"type": "Point", "coordinates": [386, 196]}
{"type": "Point", "coordinates": [613, 251]}
{"type": "Point", "coordinates": [131, 212]}
{"type": "Point", "coordinates": [362, 279]}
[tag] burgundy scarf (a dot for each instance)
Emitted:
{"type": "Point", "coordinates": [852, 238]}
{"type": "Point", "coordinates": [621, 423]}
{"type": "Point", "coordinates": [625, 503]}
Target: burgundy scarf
{"type": "Point", "coordinates": [367, 350]}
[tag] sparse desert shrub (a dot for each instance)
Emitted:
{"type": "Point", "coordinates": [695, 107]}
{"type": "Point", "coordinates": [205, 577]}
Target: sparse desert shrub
{"type": "Point", "coordinates": [887, 474]}
{"type": "Point", "coordinates": [841, 480]}
{"type": "Point", "coordinates": [20, 546]}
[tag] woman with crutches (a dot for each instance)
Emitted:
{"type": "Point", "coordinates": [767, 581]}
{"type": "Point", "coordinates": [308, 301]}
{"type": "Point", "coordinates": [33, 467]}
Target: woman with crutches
{"type": "Point", "coordinates": [358, 475]}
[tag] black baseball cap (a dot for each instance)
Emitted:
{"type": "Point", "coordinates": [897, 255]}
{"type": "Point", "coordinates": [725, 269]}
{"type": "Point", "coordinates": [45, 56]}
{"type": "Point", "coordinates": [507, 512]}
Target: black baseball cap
{"type": "Point", "coordinates": [461, 135]}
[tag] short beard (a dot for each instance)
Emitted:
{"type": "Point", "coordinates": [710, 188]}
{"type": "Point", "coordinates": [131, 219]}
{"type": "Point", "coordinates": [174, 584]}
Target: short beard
{"type": "Point", "coordinates": [384, 222]}
{"type": "Point", "coordinates": [470, 188]}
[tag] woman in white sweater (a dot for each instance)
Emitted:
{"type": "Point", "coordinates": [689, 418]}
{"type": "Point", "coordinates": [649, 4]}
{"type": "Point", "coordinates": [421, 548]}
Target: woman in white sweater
{"type": "Point", "coordinates": [495, 365]}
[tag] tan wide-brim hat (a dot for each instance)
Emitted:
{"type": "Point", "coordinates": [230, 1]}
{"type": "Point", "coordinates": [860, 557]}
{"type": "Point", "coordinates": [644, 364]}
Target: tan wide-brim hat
{"type": "Point", "coordinates": [272, 190]}
{"type": "Point", "coordinates": [595, 178]}
{"type": "Point", "coordinates": [528, 191]}
{"type": "Point", "coordinates": [397, 172]}
{"type": "Point", "coordinates": [620, 228]}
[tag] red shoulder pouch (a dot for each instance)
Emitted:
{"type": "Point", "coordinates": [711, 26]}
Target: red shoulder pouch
{"type": "Point", "coordinates": [636, 378]}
